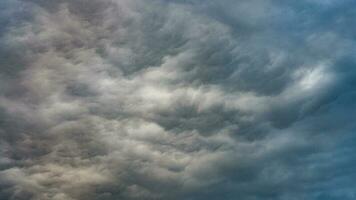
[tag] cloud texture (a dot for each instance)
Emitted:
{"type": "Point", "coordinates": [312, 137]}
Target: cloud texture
{"type": "Point", "coordinates": [173, 99]}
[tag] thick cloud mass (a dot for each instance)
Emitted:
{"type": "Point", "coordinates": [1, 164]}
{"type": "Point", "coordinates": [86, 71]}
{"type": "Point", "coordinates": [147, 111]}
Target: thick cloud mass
{"type": "Point", "coordinates": [173, 99]}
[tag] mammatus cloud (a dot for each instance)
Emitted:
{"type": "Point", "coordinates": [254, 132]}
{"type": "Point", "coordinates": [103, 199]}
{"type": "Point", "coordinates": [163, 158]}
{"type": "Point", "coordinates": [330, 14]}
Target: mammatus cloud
{"type": "Point", "coordinates": [133, 99]}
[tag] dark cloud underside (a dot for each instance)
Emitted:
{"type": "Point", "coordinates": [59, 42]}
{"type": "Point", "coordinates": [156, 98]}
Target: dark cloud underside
{"type": "Point", "coordinates": [168, 99]}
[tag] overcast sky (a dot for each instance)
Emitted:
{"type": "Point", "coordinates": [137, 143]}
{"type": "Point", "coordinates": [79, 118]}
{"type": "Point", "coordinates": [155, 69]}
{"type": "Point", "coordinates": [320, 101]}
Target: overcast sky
{"type": "Point", "coordinates": [177, 99]}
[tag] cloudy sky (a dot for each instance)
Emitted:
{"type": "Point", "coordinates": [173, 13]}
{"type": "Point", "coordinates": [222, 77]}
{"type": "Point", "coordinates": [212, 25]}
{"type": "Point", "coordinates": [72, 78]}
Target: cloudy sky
{"type": "Point", "coordinates": [177, 99]}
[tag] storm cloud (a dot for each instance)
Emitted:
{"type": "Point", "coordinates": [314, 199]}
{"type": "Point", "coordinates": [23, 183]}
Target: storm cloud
{"type": "Point", "coordinates": [173, 99]}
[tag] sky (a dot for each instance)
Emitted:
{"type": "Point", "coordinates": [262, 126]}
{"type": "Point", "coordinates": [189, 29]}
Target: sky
{"type": "Point", "coordinates": [177, 99]}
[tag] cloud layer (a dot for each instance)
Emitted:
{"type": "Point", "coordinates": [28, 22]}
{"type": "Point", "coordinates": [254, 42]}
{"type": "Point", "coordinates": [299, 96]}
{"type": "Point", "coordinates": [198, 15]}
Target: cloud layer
{"type": "Point", "coordinates": [170, 99]}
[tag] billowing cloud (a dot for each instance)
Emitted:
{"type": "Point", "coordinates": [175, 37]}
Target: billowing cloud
{"type": "Point", "coordinates": [168, 99]}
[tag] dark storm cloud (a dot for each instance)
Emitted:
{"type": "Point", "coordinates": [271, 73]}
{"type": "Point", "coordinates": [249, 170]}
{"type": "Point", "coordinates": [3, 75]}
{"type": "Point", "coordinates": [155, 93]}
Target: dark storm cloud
{"type": "Point", "coordinates": [122, 99]}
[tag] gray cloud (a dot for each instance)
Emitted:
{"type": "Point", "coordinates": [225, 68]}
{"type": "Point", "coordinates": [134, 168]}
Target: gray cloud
{"type": "Point", "coordinates": [120, 99]}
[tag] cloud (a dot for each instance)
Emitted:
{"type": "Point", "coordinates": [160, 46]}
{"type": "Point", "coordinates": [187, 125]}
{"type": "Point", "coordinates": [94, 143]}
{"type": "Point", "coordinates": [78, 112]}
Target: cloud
{"type": "Point", "coordinates": [160, 99]}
